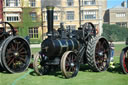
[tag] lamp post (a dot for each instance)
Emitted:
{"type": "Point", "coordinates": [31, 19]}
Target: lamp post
{"type": "Point", "coordinates": [79, 13]}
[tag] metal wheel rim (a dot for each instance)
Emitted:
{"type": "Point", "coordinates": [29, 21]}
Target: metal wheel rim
{"type": "Point", "coordinates": [125, 61]}
{"type": "Point", "coordinates": [39, 69]}
{"type": "Point", "coordinates": [101, 54]}
{"type": "Point", "coordinates": [69, 64]}
{"type": "Point", "coordinates": [16, 55]}
{"type": "Point", "coordinates": [3, 43]}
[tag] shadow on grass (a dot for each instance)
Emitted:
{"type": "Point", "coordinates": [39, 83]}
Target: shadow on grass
{"type": "Point", "coordinates": [117, 69]}
{"type": "Point", "coordinates": [85, 68]}
{"type": "Point", "coordinates": [55, 73]}
{"type": "Point", "coordinates": [3, 71]}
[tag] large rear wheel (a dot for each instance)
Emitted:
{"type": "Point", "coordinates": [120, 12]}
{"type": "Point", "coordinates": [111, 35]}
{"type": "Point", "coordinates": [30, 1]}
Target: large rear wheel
{"type": "Point", "coordinates": [15, 54]}
{"type": "Point", "coordinates": [98, 54]}
{"type": "Point", "coordinates": [124, 60]}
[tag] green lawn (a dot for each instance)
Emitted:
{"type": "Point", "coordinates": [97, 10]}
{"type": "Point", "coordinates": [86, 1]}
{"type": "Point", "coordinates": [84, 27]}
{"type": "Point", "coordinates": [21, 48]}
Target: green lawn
{"type": "Point", "coordinates": [84, 77]}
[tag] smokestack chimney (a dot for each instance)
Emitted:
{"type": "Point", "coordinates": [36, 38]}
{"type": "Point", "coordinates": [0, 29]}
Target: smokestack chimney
{"type": "Point", "coordinates": [50, 4]}
{"type": "Point", "coordinates": [50, 11]}
{"type": "Point", "coordinates": [1, 10]}
{"type": "Point", "coordinates": [123, 4]}
{"type": "Point", "coordinates": [127, 3]}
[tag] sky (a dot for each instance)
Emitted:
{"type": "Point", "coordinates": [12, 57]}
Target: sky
{"type": "Point", "coordinates": [112, 3]}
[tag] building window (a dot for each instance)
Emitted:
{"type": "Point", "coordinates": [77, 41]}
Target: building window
{"type": "Point", "coordinates": [120, 14]}
{"type": "Point", "coordinates": [70, 15]}
{"type": "Point", "coordinates": [70, 2]}
{"type": "Point", "coordinates": [88, 15]}
{"type": "Point", "coordinates": [56, 14]}
{"type": "Point", "coordinates": [87, 2]}
{"type": "Point", "coordinates": [32, 3]}
{"type": "Point", "coordinates": [122, 24]}
{"type": "Point", "coordinates": [72, 27]}
{"type": "Point", "coordinates": [33, 32]}
{"type": "Point", "coordinates": [13, 18]}
{"type": "Point", "coordinates": [55, 17]}
{"type": "Point", "coordinates": [12, 3]}
{"type": "Point", "coordinates": [33, 16]}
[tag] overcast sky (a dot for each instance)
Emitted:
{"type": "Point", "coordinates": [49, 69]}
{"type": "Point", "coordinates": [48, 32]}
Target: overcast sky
{"type": "Point", "coordinates": [112, 3]}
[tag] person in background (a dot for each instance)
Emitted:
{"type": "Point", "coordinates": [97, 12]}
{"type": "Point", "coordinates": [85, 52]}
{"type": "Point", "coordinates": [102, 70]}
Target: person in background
{"type": "Point", "coordinates": [97, 31]}
{"type": "Point", "coordinates": [112, 47]}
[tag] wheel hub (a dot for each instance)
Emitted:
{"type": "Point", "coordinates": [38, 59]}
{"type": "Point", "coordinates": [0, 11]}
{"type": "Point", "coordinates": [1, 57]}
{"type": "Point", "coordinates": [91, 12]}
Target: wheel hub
{"type": "Point", "coordinates": [72, 64]}
{"type": "Point", "coordinates": [16, 54]}
{"type": "Point", "coordinates": [100, 53]}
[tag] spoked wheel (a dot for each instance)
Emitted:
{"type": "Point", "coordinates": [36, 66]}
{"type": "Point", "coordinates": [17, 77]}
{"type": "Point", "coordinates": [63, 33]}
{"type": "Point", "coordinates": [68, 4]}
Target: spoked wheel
{"type": "Point", "coordinates": [39, 65]}
{"type": "Point", "coordinates": [89, 28]}
{"type": "Point", "coordinates": [98, 54]}
{"type": "Point", "coordinates": [124, 60]}
{"type": "Point", "coordinates": [69, 64]}
{"type": "Point", "coordinates": [15, 54]}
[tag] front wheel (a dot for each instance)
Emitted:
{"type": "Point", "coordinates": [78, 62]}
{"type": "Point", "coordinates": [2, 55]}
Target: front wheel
{"type": "Point", "coordinates": [124, 60]}
{"type": "Point", "coordinates": [39, 65]}
{"type": "Point", "coordinates": [69, 64]}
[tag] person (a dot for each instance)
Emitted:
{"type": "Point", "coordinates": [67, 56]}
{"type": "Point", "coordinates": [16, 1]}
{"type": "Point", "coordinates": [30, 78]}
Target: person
{"type": "Point", "coordinates": [97, 31]}
{"type": "Point", "coordinates": [112, 47]}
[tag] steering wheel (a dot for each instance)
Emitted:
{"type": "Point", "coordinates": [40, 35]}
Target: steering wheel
{"type": "Point", "coordinates": [3, 30]}
{"type": "Point", "coordinates": [89, 29]}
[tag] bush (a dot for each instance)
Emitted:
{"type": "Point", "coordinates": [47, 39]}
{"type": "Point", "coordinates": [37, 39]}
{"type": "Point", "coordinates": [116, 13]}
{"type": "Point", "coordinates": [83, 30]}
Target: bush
{"type": "Point", "coordinates": [115, 32]}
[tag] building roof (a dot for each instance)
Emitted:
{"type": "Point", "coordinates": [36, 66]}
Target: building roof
{"type": "Point", "coordinates": [118, 7]}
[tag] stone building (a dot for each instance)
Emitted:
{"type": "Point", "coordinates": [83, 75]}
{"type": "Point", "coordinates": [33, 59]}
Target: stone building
{"type": "Point", "coordinates": [117, 15]}
{"type": "Point", "coordinates": [68, 13]}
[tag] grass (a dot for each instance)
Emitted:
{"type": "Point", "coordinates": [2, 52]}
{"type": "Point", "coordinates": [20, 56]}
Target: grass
{"type": "Point", "coordinates": [84, 77]}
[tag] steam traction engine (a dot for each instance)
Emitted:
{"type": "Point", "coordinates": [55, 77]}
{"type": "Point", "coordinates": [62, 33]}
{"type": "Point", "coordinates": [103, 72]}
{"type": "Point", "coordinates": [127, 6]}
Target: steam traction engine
{"type": "Point", "coordinates": [68, 49]}
{"type": "Point", "coordinates": [124, 58]}
{"type": "Point", "coordinates": [14, 51]}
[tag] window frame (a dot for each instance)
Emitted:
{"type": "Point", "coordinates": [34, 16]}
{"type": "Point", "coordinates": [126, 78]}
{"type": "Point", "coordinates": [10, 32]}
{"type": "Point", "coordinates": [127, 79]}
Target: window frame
{"type": "Point", "coordinates": [12, 3]}
{"type": "Point", "coordinates": [13, 17]}
{"type": "Point", "coordinates": [70, 15]}
{"type": "Point", "coordinates": [87, 3]}
{"type": "Point", "coordinates": [70, 2]}
{"type": "Point", "coordinates": [121, 15]}
{"type": "Point", "coordinates": [33, 32]}
{"type": "Point", "coordinates": [32, 3]}
{"type": "Point", "coordinates": [33, 17]}
{"type": "Point", "coordinates": [88, 14]}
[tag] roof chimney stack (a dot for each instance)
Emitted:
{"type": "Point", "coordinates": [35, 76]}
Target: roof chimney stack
{"type": "Point", "coordinates": [123, 4]}
{"type": "Point", "coordinates": [127, 3]}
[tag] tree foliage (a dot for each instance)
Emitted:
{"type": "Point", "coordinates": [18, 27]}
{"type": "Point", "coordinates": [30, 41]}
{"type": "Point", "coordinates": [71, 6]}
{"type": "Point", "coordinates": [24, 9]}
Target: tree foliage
{"type": "Point", "coordinates": [115, 32]}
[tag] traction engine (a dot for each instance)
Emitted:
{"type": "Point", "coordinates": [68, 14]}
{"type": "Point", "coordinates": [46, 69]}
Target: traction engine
{"type": "Point", "coordinates": [67, 49]}
{"type": "Point", "coordinates": [15, 52]}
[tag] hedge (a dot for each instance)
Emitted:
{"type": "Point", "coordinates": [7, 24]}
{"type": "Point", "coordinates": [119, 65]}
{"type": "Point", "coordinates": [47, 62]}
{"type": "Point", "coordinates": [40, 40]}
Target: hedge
{"type": "Point", "coordinates": [115, 32]}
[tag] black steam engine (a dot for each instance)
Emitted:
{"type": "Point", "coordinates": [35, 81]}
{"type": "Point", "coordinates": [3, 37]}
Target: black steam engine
{"type": "Point", "coordinates": [14, 50]}
{"type": "Point", "coordinates": [67, 49]}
